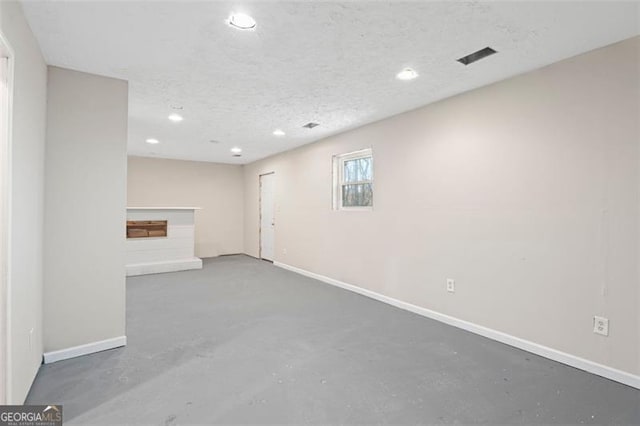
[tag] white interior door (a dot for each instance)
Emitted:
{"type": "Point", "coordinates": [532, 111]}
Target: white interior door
{"type": "Point", "coordinates": [267, 216]}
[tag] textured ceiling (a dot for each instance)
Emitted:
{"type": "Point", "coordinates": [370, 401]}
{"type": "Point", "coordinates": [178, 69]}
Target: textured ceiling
{"type": "Point", "coordinates": [329, 62]}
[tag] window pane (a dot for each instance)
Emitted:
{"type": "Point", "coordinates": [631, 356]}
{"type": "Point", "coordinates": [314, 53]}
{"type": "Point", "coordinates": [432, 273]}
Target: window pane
{"type": "Point", "coordinates": [350, 171]}
{"type": "Point", "coordinates": [360, 195]}
{"type": "Point", "coordinates": [357, 170]}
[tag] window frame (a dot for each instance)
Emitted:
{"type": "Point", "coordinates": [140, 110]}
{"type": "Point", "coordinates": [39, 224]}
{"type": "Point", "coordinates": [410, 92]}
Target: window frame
{"type": "Point", "coordinates": [338, 179]}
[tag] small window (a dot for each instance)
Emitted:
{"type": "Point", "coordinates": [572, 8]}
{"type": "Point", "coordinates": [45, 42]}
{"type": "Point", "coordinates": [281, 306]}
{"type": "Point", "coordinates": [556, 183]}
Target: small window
{"type": "Point", "coordinates": [353, 180]}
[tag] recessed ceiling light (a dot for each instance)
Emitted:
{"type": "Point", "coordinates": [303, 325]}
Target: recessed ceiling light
{"type": "Point", "coordinates": [152, 141]}
{"type": "Point", "coordinates": [236, 150]}
{"type": "Point", "coordinates": [407, 74]}
{"type": "Point", "coordinates": [278, 132]}
{"type": "Point", "coordinates": [176, 118]}
{"type": "Point", "coordinates": [241, 21]}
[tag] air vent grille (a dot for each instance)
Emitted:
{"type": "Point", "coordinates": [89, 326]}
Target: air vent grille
{"type": "Point", "coordinates": [476, 56]}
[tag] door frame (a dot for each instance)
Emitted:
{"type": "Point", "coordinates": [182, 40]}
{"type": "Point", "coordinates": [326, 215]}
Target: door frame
{"type": "Point", "coordinates": [6, 98]}
{"type": "Point", "coordinates": [260, 215]}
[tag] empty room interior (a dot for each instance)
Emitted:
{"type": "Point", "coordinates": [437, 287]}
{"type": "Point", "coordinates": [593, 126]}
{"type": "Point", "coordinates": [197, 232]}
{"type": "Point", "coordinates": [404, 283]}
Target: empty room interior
{"type": "Point", "coordinates": [320, 212]}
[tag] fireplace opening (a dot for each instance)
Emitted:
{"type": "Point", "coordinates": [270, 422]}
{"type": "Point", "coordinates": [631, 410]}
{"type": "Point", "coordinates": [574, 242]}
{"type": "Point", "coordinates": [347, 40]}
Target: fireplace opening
{"type": "Point", "coordinates": [146, 228]}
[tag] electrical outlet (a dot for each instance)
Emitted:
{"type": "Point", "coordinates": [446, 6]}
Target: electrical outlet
{"type": "Point", "coordinates": [451, 285]}
{"type": "Point", "coordinates": [31, 338]}
{"type": "Point", "coordinates": [601, 325]}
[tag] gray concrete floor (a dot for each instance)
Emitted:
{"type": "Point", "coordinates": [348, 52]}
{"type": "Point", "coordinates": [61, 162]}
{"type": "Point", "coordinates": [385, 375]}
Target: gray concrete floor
{"type": "Point", "coordinates": [242, 341]}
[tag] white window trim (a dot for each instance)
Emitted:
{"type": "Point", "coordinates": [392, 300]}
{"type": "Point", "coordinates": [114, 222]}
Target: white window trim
{"type": "Point", "coordinates": [338, 170]}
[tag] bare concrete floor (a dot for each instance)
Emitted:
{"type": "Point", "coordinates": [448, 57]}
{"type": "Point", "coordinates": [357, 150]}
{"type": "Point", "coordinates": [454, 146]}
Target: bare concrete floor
{"type": "Point", "coordinates": [242, 341]}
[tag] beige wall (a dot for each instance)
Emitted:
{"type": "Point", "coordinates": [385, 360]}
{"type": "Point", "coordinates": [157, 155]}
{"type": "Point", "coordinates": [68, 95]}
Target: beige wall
{"type": "Point", "coordinates": [27, 186]}
{"type": "Point", "coordinates": [216, 188]}
{"type": "Point", "coordinates": [85, 207]}
{"type": "Point", "coordinates": [525, 192]}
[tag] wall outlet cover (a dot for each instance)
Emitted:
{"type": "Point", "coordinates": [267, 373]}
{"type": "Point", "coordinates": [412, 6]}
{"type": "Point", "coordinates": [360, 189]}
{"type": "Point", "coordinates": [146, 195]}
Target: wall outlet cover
{"type": "Point", "coordinates": [451, 285]}
{"type": "Point", "coordinates": [601, 325]}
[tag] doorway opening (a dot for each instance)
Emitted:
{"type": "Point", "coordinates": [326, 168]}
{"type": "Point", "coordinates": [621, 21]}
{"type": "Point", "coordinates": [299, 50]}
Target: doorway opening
{"type": "Point", "coordinates": [267, 216]}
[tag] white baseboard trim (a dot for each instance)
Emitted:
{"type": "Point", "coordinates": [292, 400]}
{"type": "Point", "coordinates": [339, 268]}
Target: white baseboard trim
{"type": "Point", "coordinates": [164, 266]}
{"type": "Point", "coordinates": [86, 349]}
{"type": "Point", "coordinates": [535, 348]}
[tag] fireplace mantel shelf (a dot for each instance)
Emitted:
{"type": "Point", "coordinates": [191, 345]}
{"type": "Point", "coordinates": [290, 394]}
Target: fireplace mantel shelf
{"type": "Point", "coordinates": [164, 208]}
